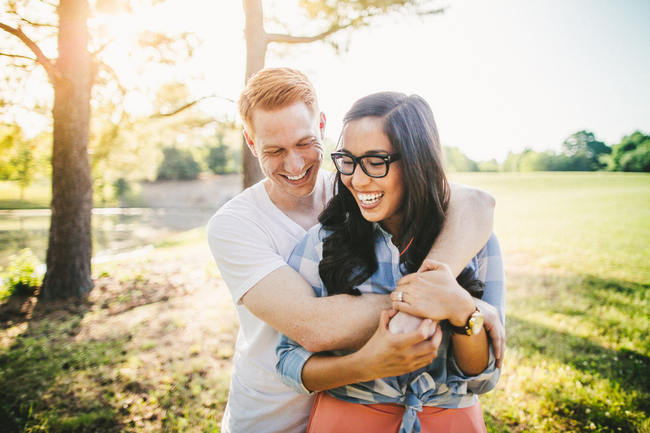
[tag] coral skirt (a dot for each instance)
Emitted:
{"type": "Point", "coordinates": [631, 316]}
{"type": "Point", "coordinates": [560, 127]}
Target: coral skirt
{"type": "Point", "coordinates": [331, 415]}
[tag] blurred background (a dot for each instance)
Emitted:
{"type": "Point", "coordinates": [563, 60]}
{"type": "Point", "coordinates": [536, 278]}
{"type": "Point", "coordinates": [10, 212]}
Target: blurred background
{"type": "Point", "coordinates": [544, 104]}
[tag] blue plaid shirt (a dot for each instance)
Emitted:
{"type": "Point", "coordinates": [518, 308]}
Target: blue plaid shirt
{"type": "Point", "coordinates": [441, 383]}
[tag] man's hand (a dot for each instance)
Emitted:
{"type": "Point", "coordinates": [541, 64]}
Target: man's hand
{"type": "Point", "coordinates": [495, 329]}
{"type": "Point", "coordinates": [387, 354]}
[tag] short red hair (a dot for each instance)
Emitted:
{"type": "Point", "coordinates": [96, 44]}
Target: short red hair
{"type": "Point", "coordinates": [274, 88]}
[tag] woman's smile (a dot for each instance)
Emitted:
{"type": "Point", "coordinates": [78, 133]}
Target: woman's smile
{"type": "Point", "coordinates": [369, 200]}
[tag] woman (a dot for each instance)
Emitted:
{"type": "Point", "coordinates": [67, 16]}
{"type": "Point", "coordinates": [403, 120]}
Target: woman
{"type": "Point", "coordinates": [388, 209]}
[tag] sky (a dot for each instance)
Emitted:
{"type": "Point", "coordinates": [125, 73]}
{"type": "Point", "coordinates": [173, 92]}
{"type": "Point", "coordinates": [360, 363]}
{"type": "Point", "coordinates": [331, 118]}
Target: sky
{"type": "Point", "coordinates": [500, 75]}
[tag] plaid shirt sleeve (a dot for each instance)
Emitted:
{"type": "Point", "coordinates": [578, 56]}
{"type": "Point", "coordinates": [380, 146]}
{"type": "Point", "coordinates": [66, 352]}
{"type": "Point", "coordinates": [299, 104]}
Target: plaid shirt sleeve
{"type": "Point", "coordinates": [489, 269]}
{"type": "Point", "coordinates": [291, 356]}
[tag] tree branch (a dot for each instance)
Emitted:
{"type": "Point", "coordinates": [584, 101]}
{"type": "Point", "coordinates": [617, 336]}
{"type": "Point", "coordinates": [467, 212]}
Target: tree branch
{"type": "Point", "coordinates": [102, 47]}
{"type": "Point", "coordinates": [32, 23]}
{"type": "Point", "coordinates": [49, 3]}
{"type": "Point", "coordinates": [290, 39]}
{"type": "Point", "coordinates": [113, 74]}
{"type": "Point", "coordinates": [18, 56]}
{"type": "Point", "coordinates": [41, 58]}
{"type": "Point", "coordinates": [188, 105]}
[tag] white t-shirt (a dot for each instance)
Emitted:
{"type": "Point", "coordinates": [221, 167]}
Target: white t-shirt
{"type": "Point", "coordinates": [249, 238]}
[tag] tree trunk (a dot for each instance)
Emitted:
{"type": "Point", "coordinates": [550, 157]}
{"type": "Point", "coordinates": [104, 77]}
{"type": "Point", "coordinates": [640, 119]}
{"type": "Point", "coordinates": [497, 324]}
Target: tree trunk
{"type": "Point", "coordinates": [70, 247]}
{"type": "Point", "coordinates": [256, 43]}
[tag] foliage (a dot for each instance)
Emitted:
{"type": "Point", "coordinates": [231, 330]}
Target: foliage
{"type": "Point", "coordinates": [631, 154]}
{"type": "Point", "coordinates": [530, 160]}
{"type": "Point", "coordinates": [217, 159]}
{"type": "Point", "coordinates": [489, 166]}
{"type": "Point", "coordinates": [178, 164]}
{"type": "Point", "coordinates": [224, 158]}
{"type": "Point", "coordinates": [585, 150]}
{"type": "Point", "coordinates": [21, 277]}
{"type": "Point", "coordinates": [458, 161]}
{"type": "Point", "coordinates": [21, 158]}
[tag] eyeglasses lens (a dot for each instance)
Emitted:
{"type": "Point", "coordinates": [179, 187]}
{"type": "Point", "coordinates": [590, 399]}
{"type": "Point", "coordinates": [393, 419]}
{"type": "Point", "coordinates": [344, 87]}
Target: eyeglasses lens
{"type": "Point", "coordinates": [374, 166]}
{"type": "Point", "coordinates": [344, 164]}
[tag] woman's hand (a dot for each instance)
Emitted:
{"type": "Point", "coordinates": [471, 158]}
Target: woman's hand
{"type": "Point", "coordinates": [387, 354]}
{"type": "Point", "coordinates": [495, 329]}
{"type": "Point", "coordinates": [433, 292]}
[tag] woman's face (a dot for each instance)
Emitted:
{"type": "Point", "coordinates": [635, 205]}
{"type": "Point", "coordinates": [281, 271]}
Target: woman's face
{"type": "Point", "coordinates": [379, 199]}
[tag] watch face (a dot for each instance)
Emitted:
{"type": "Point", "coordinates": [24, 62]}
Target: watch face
{"type": "Point", "coordinates": [476, 323]}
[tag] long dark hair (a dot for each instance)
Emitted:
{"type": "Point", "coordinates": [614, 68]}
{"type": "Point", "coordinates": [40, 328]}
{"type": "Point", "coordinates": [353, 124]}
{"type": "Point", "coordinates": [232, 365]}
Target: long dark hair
{"type": "Point", "coordinates": [349, 251]}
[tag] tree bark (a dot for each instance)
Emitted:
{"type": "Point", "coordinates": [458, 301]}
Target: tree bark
{"type": "Point", "coordinates": [256, 44]}
{"type": "Point", "coordinates": [70, 247]}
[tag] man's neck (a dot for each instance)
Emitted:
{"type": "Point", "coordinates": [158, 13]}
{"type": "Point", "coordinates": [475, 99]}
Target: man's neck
{"type": "Point", "coordinates": [303, 211]}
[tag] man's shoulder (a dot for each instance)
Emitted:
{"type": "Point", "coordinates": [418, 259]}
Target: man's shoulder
{"type": "Point", "coordinates": [245, 206]}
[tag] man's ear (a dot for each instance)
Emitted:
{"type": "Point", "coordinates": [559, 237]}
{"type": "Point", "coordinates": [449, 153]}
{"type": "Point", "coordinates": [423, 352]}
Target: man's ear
{"type": "Point", "coordinates": [321, 125]}
{"type": "Point", "coordinates": [250, 143]}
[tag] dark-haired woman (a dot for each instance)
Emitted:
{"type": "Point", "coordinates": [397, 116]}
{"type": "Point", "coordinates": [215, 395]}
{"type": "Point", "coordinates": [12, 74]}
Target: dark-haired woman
{"type": "Point", "coordinates": [389, 208]}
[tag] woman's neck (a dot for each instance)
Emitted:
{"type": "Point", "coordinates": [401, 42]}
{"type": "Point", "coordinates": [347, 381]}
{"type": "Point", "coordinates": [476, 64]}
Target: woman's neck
{"type": "Point", "coordinates": [393, 225]}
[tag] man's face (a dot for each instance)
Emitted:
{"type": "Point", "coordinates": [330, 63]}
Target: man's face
{"type": "Point", "coordinates": [287, 143]}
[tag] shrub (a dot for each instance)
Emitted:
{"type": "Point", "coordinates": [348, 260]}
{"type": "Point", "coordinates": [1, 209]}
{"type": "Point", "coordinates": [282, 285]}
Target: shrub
{"type": "Point", "coordinates": [178, 164]}
{"type": "Point", "coordinates": [21, 277]}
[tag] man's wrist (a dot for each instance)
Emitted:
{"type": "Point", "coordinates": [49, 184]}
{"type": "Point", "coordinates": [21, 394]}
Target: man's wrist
{"type": "Point", "coordinates": [465, 309]}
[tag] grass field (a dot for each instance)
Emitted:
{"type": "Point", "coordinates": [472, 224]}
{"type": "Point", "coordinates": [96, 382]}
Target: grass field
{"type": "Point", "coordinates": [151, 349]}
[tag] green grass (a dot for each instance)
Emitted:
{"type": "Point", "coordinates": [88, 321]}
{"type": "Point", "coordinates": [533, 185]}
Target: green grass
{"type": "Point", "coordinates": [151, 349]}
{"type": "Point", "coordinates": [148, 351]}
{"type": "Point", "coordinates": [576, 248]}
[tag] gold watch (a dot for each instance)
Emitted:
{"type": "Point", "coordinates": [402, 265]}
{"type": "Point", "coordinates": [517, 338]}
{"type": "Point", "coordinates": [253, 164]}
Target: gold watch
{"type": "Point", "coordinates": [472, 326]}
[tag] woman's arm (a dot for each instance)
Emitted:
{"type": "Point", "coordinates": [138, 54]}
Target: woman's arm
{"type": "Point", "coordinates": [439, 297]}
{"type": "Point", "coordinates": [385, 354]}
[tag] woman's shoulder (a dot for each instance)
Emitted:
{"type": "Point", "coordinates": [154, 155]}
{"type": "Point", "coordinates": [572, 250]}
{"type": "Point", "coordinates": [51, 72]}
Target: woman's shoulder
{"type": "Point", "coordinates": [317, 233]}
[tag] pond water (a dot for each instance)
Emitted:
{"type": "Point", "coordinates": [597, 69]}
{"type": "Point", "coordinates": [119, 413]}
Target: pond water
{"type": "Point", "coordinates": [115, 231]}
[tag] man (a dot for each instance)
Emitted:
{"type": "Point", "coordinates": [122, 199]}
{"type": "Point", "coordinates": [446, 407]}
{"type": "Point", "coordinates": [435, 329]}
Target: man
{"type": "Point", "coordinates": [252, 236]}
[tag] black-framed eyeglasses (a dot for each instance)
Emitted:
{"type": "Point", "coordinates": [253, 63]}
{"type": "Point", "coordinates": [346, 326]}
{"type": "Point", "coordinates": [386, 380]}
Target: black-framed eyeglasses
{"type": "Point", "coordinates": [372, 165]}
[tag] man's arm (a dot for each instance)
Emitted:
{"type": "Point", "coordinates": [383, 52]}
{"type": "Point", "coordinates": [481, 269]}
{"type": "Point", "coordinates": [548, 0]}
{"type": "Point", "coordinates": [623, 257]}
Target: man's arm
{"type": "Point", "coordinates": [285, 301]}
{"type": "Point", "coordinates": [470, 217]}
{"type": "Point", "coordinates": [259, 277]}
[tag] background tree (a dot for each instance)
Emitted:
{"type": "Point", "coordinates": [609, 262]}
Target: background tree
{"type": "Point", "coordinates": [178, 164]}
{"type": "Point", "coordinates": [34, 28]}
{"type": "Point", "coordinates": [71, 76]}
{"type": "Point", "coordinates": [218, 156]}
{"type": "Point", "coordinates": [585, 150]}
{"type": "Point", "coordinates": [332, 17]}
{"type": "Point", "coordinates": [457, 160]}
{"type": "Point", "coordinates": [631, 154]}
